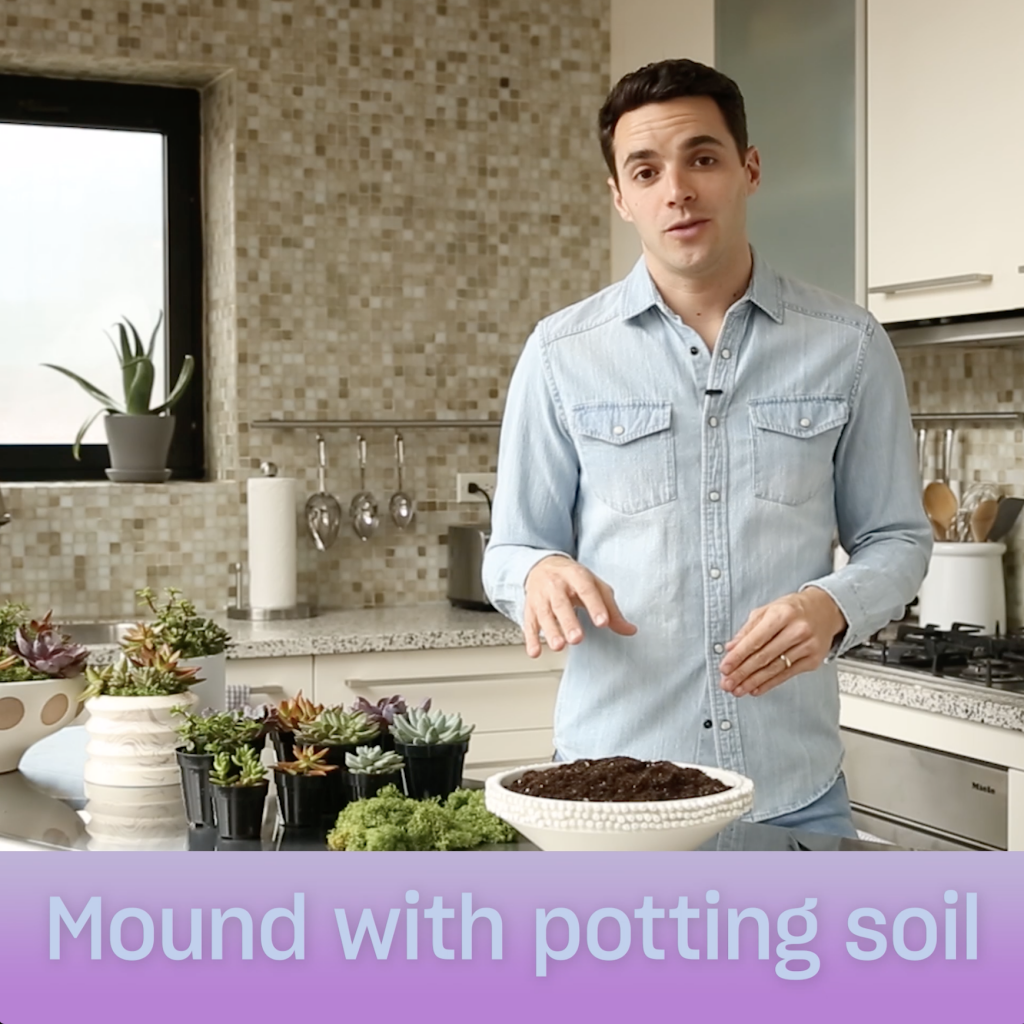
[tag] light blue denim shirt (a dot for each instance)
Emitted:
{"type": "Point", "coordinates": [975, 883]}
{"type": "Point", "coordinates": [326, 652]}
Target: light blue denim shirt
{"type": "Point", "coordinates": [701, 484]}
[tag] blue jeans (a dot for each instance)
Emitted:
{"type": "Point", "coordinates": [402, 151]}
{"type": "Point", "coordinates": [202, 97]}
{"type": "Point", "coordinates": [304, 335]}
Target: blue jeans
{"type": "Point", "coordinates": [830, 814]}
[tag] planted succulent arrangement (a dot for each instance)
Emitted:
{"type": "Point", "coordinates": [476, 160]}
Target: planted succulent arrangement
{"type": "Point", "coordinates": [285, 718]}
{"type": "Point", "coordinates": [434, 746]}
{"type": "Point", "coordinates": [240, 789]}
{"type": "Point", "coordinates": [215, 732]}
{"type": "Point", "coordinates": [138, 448]}
{"type": "Point", "coordinates": [384, 711]}
{"type": "Point", "coordinates": [42, 670]}
{"type": "Point", "coordinates": [308, 761]}
{"type": "Point", "coordinates": [177, 623]}
{"type": "Point", "coordinates": [370, 769]}
{"type": "Point", "coordinates": [38, 649]}
{"type": "Point", "coordinates": [141, 673]}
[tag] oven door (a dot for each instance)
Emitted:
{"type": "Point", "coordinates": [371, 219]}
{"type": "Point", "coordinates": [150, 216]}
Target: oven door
{"type": "Point", "coordinates": [922, 798]}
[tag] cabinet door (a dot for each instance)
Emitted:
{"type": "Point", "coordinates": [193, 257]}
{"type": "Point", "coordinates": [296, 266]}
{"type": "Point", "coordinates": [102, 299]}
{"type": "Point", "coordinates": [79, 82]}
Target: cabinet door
{"type": "Point", "coordinates": [271, 679]}
{"type": "Point", "coordinates": [944, 107]}
{"type": "Point", "coordinates": [509, 697]}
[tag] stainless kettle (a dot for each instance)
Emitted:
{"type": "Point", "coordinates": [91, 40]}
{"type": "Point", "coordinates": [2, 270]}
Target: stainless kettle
{"type": "Point", "coordinates": [466, 546]}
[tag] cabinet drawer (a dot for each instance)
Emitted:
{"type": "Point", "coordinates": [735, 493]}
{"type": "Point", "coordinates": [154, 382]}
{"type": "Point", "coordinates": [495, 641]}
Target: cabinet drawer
{"type": "Point", "coordinates": [271, 679]}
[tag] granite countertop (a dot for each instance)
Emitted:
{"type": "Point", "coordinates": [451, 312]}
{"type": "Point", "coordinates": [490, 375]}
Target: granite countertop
{"type": "Point", "coordinates": [422, 627]}
{"type": "Point", "coordinates": [968, 702]}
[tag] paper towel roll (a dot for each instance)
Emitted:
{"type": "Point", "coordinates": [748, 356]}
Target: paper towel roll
{"type": "Point", "coordinates": [272, 542]}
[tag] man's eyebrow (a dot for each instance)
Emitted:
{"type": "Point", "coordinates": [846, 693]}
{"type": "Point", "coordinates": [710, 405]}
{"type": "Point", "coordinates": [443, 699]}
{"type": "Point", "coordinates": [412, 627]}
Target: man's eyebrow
{"type": "Point", "coordinates": [696, 142]}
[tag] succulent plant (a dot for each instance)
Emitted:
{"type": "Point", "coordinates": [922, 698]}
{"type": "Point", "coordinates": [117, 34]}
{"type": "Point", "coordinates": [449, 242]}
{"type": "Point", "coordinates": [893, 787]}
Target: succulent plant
{"type": "Point", "coordinates": [384, 711]}
{"type": "Point", "coordinates": [373, 761]}
{"type": "Point", "coordinates": [214, 732]}
{"type": "Point", "coordinates": [179, 625]}
{"type": "Point", "coordinates": [47, 651]}
{"type": "Point", "coordinates": [337, 726]}
{"type": "Point", "coordinates": [12, 615]}
{"type": "Point", "coordinates": [137, 377]}
{"type": "Point", "coordinates": [292, 713]}
{"type": "Point", "coordinates": [308, 761]}
{"type": "Point", "coordinates": [422, 728]}
{"type": "Point", "coordinates": [161, 677]}
{"type": "Point", "coordinates": [242, 768]}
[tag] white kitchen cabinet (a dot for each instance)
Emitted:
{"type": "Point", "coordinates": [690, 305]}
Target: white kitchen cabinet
{"type": "Point", "coordinates": [945, 99]}
{"type": "Point", "coordinates": [509, 696]}
{"type": "Point", "coordinates": [271, 679]}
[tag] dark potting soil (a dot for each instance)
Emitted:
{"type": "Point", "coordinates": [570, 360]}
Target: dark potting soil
{"type": "Point", "coordinates": [617, 779]}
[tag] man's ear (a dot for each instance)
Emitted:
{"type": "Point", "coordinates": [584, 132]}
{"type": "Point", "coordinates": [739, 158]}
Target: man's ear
{"type": "Point", "coordinates": [623, 210]}
{"type": "Point", "coordinates": [753, 168]}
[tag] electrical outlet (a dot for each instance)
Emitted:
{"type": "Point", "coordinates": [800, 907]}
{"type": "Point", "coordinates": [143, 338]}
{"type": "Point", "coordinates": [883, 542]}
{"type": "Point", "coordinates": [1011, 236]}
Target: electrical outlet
{"type": "Point", "coordinates": [484, 480]}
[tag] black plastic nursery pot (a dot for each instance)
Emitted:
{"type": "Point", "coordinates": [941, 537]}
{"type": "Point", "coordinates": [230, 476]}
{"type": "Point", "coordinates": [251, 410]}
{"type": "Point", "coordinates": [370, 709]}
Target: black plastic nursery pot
{"type": "Point", "coordinates": [338, 792]}
{"type": "Point", "coordinates": [433, 769]}
{"type": "Point", "coordinates": [239, 810]}
{"type": "Point", "coordinates": [363, 786]}
{"type": "Point", "coordinates": [300, 798]}
{"type": "Point", "coordinates": [284, 745]}
{"type": "Point", "coordinates": [195, 784]}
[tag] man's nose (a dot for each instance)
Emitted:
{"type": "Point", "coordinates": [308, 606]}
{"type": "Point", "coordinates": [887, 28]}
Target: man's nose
{"type": "Point", "coordinates": [681, 188]}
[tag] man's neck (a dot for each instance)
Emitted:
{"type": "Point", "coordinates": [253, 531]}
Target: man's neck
{"type": "Point", "coordinates": [702, 302]}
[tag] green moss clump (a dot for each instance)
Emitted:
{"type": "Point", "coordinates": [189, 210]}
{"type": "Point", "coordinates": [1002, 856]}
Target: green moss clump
{"type": "Point", "coordinates": [391, 821]}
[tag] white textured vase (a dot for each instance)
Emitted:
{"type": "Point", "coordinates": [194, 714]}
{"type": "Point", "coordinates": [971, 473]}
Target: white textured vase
{"type": "Point", "coordinates": [132, 740]}
{"type": "Point", "coordinates": [211, 692]}
{"type": "Point", "coordinates": [136, 818]}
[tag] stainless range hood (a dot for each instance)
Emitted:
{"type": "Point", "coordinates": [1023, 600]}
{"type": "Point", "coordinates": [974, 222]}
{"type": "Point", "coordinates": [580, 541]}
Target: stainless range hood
{"type": "Point", "coordinates": [965, 332]}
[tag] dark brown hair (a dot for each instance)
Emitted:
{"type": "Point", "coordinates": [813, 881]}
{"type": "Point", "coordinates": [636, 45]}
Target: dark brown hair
{"type": "Point", "coordinates": [669, 80]}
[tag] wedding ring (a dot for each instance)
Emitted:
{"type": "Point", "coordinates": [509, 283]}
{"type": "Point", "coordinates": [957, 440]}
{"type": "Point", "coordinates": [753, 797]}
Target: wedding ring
{"type": "Point", "coordinates": [786, 662]}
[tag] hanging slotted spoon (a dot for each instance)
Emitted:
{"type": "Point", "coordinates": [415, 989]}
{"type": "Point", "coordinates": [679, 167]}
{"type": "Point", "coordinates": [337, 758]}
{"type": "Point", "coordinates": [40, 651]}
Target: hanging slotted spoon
{"type": "Point", "coordinates": [323, 511]}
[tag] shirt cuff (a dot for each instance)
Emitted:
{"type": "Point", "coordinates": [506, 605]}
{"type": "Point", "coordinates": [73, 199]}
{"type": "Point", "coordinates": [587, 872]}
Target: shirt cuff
{"type": "Point", "coordinates": [849, 605]}
{"type": "Point", "coordinates": [508, 594]}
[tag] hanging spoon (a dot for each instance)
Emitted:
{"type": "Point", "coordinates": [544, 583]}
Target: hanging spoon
{"type": "Point", "coordinates": [323, 512]}
{"type": "Point", "coordinates": [363, 509]}
{"type": "Point", "coordinates": [402, 505]}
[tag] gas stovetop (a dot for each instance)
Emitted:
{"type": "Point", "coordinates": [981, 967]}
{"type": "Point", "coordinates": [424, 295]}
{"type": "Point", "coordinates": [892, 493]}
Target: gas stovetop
{"type": "Point", "coordinates": [963, 653]}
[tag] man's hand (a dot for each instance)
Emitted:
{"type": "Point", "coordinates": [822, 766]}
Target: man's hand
{"type": "Point", "coordinates": [800, 626]}
{"type": "Point", "coordinates": [555, 587]}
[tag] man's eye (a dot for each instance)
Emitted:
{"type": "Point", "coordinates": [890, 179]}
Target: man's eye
{"type": "Point", "coordinates": [705, 161]}
{"type": "Point", "coordinates": [644, 174]}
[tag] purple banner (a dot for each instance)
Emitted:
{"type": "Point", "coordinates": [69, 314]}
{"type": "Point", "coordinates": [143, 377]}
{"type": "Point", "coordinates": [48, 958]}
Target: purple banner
{"type": "Point", "coordinates": [452, 937]}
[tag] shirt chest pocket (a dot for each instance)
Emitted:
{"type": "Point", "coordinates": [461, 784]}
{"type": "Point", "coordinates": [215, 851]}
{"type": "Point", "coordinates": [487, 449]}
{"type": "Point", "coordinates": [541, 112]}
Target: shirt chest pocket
{"type": "Point", "coordinates": [627, 453]}
{"type": "Point", "coordinates": [794, 442]}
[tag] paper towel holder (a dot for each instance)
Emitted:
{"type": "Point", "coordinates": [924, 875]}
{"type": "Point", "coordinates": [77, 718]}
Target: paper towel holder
{"type": "Point", "coordinates": [240, 611]}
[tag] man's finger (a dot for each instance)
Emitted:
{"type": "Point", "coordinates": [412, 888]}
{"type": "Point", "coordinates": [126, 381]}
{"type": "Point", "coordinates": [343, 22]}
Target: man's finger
{"type": "Point", "coordinates": [752, 620]}
{"type": "Point", "coordinates": [617, 622]}
{"type": "Point", "coordinates": [770, 667]}
{"type": "Point", "coordinates": [799, 667]}
{"type": "Point", "coordinates": [563, 611]}
{"type": "Point", "coordinates": [590, 596]}
{"type": "Point", "coordinates": [549, 625]}
{"type": "Point", "coordinates": [762, 633]}
{"type": "Point", "coordinates": [530, 632]}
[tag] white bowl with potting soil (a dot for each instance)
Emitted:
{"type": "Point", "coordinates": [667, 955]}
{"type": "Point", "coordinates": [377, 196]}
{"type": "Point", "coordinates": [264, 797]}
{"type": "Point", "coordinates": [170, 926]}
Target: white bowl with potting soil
{"type": "Point", "coordinates": [618, 804]}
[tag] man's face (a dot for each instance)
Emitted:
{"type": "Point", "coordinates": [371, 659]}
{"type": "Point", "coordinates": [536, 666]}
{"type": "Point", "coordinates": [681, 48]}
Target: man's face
{"type": "Point", "coordinates": [684, 185]}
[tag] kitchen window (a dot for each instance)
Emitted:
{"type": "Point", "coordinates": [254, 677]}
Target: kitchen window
{"type": "Point", "coordinates": [100, 218]}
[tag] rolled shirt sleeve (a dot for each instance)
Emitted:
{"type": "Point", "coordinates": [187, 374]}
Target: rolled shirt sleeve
{"type": "Point", "coordinates": [538, 477]}
{"type": "Point", "coordinates": [881, 519]}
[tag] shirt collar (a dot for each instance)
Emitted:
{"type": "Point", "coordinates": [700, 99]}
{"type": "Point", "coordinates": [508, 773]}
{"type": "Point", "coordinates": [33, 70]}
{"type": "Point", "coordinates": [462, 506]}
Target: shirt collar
{"type": "Point", "coordinates": [640, 293]}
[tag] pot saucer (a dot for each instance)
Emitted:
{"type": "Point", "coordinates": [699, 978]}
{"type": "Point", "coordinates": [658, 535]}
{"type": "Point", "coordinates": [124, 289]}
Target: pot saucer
{"type": "Point", "coordinates": [138, 476]}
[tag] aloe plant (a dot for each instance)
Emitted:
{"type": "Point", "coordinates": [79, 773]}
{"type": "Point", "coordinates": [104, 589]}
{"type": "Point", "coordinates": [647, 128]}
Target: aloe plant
{"type": "Point", "coordinates": [137, 376]}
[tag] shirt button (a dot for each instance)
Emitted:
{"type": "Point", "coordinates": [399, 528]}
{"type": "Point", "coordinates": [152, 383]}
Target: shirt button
{"type": "Point", "coordinates": [618, 430]}
{"type": "Point", "coordinates": [713, 421]}
{"type": "Point", "coordinates": [718, 648]}
{"type": "Point", "coordinates": [708, 723]}
{"type": "Point", "coordinates": [714, 495]}
{"type": "Point", "coordinates": [726, 724]}
{"type": "Point", "coordinates": [694, 350]}
{"type": "Point", "coordinates": [715, 573]}
{"type": "Point", "coordinates": [726, 354]}
{"type": "Point", "coordinates": [805, 422]}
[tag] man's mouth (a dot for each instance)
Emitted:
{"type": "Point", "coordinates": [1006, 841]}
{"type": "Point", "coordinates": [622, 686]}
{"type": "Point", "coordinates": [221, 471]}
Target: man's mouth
{"type": "Point", "coordinates": [686, 228]}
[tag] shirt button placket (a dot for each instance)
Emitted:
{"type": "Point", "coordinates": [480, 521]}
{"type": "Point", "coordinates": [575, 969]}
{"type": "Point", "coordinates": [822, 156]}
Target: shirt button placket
{"type": "Point", "coordinates": [721, 720]}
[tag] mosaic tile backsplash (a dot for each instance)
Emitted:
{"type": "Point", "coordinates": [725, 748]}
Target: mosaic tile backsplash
{"type": "Point", "coordinates": [395, 193]}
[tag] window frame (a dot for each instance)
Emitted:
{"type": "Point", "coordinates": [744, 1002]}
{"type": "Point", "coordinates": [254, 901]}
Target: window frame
{"type": "Point", "coordinates": [174, 113]}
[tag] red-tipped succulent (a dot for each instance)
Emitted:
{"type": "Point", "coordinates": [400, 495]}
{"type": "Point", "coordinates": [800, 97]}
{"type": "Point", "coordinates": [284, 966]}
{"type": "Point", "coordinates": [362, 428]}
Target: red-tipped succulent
{"type": "Point", "coordinates": [49, 652]}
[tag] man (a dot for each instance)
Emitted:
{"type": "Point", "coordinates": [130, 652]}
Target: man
{"type": "Point", "coordinates": [694, 437]}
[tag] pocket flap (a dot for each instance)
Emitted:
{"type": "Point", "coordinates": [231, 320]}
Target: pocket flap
{"type": "Point", "coordinates": [801, 415]}
{"type": "Point", "coordinates": [621, 422]}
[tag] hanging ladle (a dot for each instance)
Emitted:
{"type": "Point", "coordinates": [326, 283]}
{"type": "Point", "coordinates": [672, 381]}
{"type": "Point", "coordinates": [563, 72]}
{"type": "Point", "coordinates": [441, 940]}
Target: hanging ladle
{"type": "Point", "coordinates": [323, 511]}
{"type": "Point", "coordinates": [402, 505]}
{"type": "Point", "coordinates": [363, 509]}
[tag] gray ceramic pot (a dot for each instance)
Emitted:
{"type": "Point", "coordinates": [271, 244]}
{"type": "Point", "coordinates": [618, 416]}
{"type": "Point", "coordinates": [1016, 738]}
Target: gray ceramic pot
{"type": "Point", "coordinates": [139, 447]}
